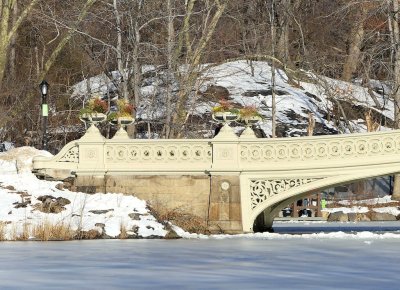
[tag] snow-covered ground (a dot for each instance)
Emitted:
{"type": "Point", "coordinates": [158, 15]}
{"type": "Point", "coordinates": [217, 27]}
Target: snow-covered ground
{"type": "Point", "coordinates": [383, 205]}
{"type": "Point", "coordinates": [20, 198]}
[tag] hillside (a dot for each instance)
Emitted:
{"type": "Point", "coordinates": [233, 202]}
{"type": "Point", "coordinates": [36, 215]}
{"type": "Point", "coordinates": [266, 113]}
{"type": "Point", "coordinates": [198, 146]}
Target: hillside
{"type": "Point", "coordinates": [336, 106]}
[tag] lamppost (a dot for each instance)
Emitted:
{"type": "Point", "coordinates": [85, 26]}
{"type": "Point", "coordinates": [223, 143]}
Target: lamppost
{"type": "Point", "coordinates": [44, 88]}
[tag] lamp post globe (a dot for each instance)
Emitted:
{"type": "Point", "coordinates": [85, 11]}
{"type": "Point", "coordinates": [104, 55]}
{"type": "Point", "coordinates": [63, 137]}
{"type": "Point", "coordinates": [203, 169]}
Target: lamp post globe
{"type": "Point", "coordinates": [44, 89]}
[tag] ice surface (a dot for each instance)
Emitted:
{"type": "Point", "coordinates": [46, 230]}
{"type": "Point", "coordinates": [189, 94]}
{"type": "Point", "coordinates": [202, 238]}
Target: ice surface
{"type": "Point", "coordinates": [236, 263]}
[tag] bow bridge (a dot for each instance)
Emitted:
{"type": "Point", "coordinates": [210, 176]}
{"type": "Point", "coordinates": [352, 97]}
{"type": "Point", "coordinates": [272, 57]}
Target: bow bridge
{"type": "Point", "coordinates": [227, 181]}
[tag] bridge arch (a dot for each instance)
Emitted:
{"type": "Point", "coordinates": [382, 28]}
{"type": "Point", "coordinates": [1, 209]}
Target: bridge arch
{"type": "Point", "coordinates": [270, 195]}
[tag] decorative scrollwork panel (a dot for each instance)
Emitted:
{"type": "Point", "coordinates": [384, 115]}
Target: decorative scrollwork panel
{"type": "Point", "coordinates": [72, 155]}
{"type": "Point", "coordinates": [261, 190]}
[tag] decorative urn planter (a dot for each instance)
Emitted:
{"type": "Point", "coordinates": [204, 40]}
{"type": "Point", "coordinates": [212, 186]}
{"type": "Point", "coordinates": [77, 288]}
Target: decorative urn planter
{"type": "Point", "coordinates": [93, 117]}
{"type": "Point", "coordinates": [249, 116]}
{"type": "Point", "coordinates": [94, 111]}
{"type": "Point", "coordinates": [122, 121]}
{"type": "Point", "coordinates": [251, 120]}
{"type": "Point", "coordinates": [225, 117]}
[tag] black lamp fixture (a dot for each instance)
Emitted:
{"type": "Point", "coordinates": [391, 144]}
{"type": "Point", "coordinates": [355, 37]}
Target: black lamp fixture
{"type": "Point", "coordinates": [44, 89]}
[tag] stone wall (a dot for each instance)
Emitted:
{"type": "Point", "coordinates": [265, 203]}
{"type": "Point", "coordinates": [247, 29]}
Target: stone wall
{"type": "Point", "coordinates": [214, 199]}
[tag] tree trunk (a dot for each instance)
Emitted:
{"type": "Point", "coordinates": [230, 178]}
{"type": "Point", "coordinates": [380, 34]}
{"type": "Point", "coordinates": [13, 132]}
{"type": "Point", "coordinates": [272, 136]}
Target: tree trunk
{"type": "Point", "coordinates": [13, 72]}
{"type": "Point", "coordinates": [185, 31]}
{"type": "Point", "coordinates": [396, 80]}
{"type": "Point", "coordinates": [137, 71]}
{"type": "Point", "coordinates": [273, 101]}
{"type": "Point", "coordinates": [356, 39]}
{"type": "Point", "coordinates": [170, 73]}
{"type": "Point", "coordinates": [3, 62]}
{"type": "Point", "coordinates": [282, 45]}
{"type": "Point", "coordinates": [311, 124]}
{"type": "Point", "coordinates": [7, 33]}
{"type": "Point", "coordinates": [123, 80]}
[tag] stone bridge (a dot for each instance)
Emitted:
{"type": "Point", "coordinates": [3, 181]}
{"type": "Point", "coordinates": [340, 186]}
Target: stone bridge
{"type": "Point", "coordinates": [227, 181]}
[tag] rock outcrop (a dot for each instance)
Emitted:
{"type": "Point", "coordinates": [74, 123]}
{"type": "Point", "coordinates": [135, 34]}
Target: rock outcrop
{"type": "Point", "coordinates": [340, 216]}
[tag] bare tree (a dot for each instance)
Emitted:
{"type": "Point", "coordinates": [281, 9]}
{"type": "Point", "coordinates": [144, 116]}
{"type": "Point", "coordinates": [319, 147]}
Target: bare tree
{"type": "Point", "coordinates": [194, 53]}
{"type": "Point", "coordinates": [9, 24]}
{"type": "Point", "coordinates": [171, 68]}
{"type": "Point", "coordinates": [65, 39]}
{"type": "Point", "coordinates": [273, 106]}
{"type": "Point", "coordinates": [394, 30]}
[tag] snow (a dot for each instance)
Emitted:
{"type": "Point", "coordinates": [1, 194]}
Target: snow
{"type": "Point", "coordinates": [16, 178]}
{"type": "Point", "coordinates": [390, 210]}
{"type": "Point", "coordinates": [359, 206]}
{"type": "Point", "coordinates": [19, 159]}
{"type": "Point", "coordinates": [355, 209]}
{"type": "Point", "coordinates": [239, 78]}
{"type": "Point", "coordinates": [278, 236]}
{"type": "Point", "coordinates": [379, 200]}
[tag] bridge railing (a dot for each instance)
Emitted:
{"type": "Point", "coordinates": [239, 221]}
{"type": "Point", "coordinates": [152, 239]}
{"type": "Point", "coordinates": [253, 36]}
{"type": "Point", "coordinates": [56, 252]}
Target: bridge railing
{"type": "Point", "coordinates": [173, 155]}
{"type": "Point", "coordinates": [226, 153]}
{"type": "Point", "coordinates": [319, 151]}
{"type": "Point", "coordinates": [94, 155]}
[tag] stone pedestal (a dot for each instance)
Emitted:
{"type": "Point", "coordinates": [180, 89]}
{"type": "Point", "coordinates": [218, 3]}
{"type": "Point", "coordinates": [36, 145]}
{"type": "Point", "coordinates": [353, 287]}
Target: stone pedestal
{"type": "Point", "coordinates": [225, 209]}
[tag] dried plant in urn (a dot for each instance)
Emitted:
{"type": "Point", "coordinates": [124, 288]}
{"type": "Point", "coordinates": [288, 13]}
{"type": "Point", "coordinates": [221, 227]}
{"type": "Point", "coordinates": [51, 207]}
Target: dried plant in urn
{"type": "Point", "coordinates": [225, 111]}
{"type": "Point", "coordinates": [95, 110]}
{"type": "Point", "coordinates": [123, 115]}
{"type": "Point", "coordinates": [249, 115]}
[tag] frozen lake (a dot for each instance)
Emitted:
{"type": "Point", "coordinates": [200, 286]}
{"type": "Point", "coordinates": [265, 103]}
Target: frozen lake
{"type": "Point", "coordinates": [273, 261]}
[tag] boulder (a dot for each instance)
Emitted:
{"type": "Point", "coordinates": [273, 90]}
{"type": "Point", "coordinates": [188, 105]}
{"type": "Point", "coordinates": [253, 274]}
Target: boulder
{"type": "Point", "coordinates": [67, 183]}
{"type": "Point", "coordinates": [215, 93]}
{"type": "Point", "coordinates": [352, 216]}
{"type": "Point", "coordinates": [89, 235]}
{"type": "Point", "coordinates": [22, 204]}
{"type": "Point", "coordinates": [100, 225]}
{"type": "Point", "coordinates": [338, 216]}
{"type": "Point", "coordinates": [382, 216]}
{"type": "Point", "coordinates": [50, 204]}
{"type": "Point", "coordinates": [62, 201]}
{"type": "Point", "coordinates": [362, 217]}
{"type": "Point", "coordinates": [134, 216]}
{"type": "Point", "coordinates": [101, 211]}
{"type": "Point", "coordinates": [172, 235]}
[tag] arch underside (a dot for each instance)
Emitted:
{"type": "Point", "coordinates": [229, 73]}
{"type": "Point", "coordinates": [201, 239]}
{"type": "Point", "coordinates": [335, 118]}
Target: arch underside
{"type": "Point", "coordinates": [270, 195]}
